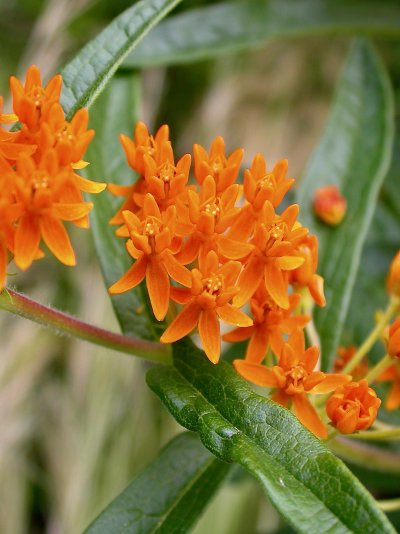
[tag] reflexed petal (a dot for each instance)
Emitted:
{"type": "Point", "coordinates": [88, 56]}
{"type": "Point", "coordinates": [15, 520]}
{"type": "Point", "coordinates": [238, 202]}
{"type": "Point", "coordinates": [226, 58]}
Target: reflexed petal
{"type": "Point", "coordinates": [71, 212]}
{"type": "Point", "coordinates": [131, 278]}
{"type": "Point", "coordinates": [331, 382]}
{"type": "Point", "coordinates": [232, 315]}
{"type": "Point", "coordinates": [393, 398]}
{"type": "Point", "coordinates": [308, 415]}
{"type": "Point", "coordinates": [157, 282]}
{"type": "Point", "coordinates": [181, 295]}
{"type": "Point", "coordinates": [88, 186]}
{"type": "Point", "coordinates": [183, 323]}
{"type": "Point", "coordinates": [276, 284]}
{"type": "Point", "coordinates": [176, 270]}
{"type": "Point", "coordinates": [210, 334]}
{"type": "Point", "coordinates": [289, 263]}
{"type": "Point", "coordinates": [249, 280]}
{"type": "Point", "coordinates": [258, 345]}
{"type": "Point", "coordinates": [27, 239]}
{"type": "Point", "coordinates": [233, 250]}
{"type": "Point", "coordinates": [56, 238]}
{"type": "Point", "coordinates": [255, 373]}
{"type": "Point", "coordinates": [238, 334]}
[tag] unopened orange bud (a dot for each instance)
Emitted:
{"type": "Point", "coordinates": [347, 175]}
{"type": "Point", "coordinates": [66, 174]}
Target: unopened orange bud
{"type": "Point", "coordinates": [330, 205]}
{"type": "Point", "coordinates": [393, 280]}
{"type": "Point", "coordinates": [353, 407]}
{"type": "Point", "coordinates": [394, 339]}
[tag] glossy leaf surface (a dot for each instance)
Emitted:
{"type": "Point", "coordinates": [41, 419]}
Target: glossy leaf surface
{"type": "Point", "coordinates": [169, 495]}
{"type": "Point", "coordinates": [310, 487]}
{"type": "Point", "coordinates": [229, 27]}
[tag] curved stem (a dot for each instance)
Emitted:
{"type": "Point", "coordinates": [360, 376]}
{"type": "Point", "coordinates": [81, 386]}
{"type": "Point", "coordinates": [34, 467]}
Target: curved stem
{"type": "Point", "coordinates": [374, 335]}
{"type": "Point", "coordinates": [389, 505]}
{"type": "Point", "coordinates": [381, 366]}
{"type": "Point", "coordinates": [366, 455]}
{"type": "Point", "coordinates": [376, 434]}
{"type": "Point", "coordinates": [63, 323]}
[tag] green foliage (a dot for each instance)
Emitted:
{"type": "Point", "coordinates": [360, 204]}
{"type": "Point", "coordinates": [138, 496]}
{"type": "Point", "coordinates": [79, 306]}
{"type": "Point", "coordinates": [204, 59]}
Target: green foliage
{"type": "Point", "coordinates": [310, 487]}
{"type": "Point", "coordinates": [170, 494]}
{"type": "Point", "coordinates": [229, 27]}
{"type": "Point", "coordinates": [357, 164]}
{"type": "Point", "coordinates": [88, 73]}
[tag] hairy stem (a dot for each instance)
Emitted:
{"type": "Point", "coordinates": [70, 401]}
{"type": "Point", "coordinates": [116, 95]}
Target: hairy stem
{"type": "Point", "coordinates": [63, 323]}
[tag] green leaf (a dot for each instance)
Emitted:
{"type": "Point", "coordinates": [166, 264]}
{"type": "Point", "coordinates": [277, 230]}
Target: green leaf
{"type": "Point", "coordinates": [115, 112]}
{"type": "Point", "coordinates": [229, 27]}
{"type": "Point", "coordinates": [87, 74]}
{"type": "Point", "coordinates": [169, 495]}
{"type": "Point", "coordinates": [354, 154]}
{"type": "Point", "coordinates": [310, 487]}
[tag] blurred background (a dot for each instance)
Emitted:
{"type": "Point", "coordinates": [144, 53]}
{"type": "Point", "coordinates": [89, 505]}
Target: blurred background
{"type": "Point", "coordinates": [78, 422]}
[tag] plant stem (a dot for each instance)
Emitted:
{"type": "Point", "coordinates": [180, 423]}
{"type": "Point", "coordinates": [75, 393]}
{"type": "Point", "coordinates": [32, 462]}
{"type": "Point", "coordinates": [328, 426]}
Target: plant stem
{"type": "Point", "coordinates": [389, 505]}
{"type": "Point", "coordinates": [376, 434]}
{"type": "Point", "coordinates": [383, 364]}
{"type": "Point", "coordinates": [374, 335]}
{"type": "Point", "coordinates": [63, 323]}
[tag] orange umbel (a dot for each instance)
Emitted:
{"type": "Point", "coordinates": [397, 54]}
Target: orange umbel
{"type": "Point", "coordinates": [330, 205]}
{"type": "Point", "coordinates": [39, 189]}
{"type": "Point", "coordinates": [210, 251]}
{"type": "Point", "coordinates": [353, 406]}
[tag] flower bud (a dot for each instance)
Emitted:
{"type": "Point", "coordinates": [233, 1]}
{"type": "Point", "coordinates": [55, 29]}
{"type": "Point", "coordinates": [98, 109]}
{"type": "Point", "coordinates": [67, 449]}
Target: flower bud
{"type": "Point", "coordinates": [393, 280]}
{"type": "Point", "coordinates": [353, 407]}
{"type": "Point", "coordinates": [330, 205]}
{"type": "Point", "coordinates": [393, 347]}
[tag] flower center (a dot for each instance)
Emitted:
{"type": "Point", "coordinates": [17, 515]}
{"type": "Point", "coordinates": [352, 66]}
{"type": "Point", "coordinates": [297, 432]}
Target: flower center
{"type": "Point", "coordinates": [65, 134]}
{"type": "Point", "coordinates": [212, 208]}
{"type": "Point", "coordinates": [295, 376]}
{"type": "Point", "coordinates": [217, 165]}
{"type": "Point", "coordinates": [36, 95]}
{"type": "Point", "coordinates": [40, 180]}
{"type": "Point", "coordinates": [213, 285]}
{"type": "Point", "coordinates": [266, 182]}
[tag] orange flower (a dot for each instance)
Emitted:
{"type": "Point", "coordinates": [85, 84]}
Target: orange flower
{"type": "Point", "coordinates": [330, 205]}
{"type": "Point", "coordinates": [392, 374]}
{"type": "Point", "coordinates": [393, 280]}
{"type": "Point", "coordinates": [223, 169]}
{"type": "Point", "coordinates": [69, 139]}
{"type": "Point", "coordinates": [153, 244]}
{"type": "Point", "coordinates": [305, 275]}
{"type": "Point", "coordinates": [293, 379]}
{"type": "Point", "coordinates": [260, 185]}
{"type": "Point", "coordinates": [142, 145]}
{"type": "Point", "coordinates": [211, 214]}
{"type": "Point", "coordinates": [276, 239]}
{"type": "Point", "coordinates": [353, 406]}
{"type": "Point", "coordinates": [41, 205]}
{"type": "Point", "coordinates": [32, 101]}
{"type": "Point", "coordinates": [345, 354]}
{"type": "Point", "coordinates": [270, 324]}
{"type": "Point", "coordinates": [207, 301]}
{"type": "Point", "coordinates": [9, 148]}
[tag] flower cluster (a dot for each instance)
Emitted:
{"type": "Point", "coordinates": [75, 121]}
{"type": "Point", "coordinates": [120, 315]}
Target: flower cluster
{"type": "Point", "coordinates": [38, 186]}
{"type": "Point", "coordinates": [211, 251]}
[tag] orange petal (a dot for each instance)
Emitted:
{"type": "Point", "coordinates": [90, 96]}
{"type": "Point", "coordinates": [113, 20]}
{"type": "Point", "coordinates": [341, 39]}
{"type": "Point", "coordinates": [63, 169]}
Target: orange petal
{"type": "Point", "coordinates": [181, 295]}
{"type": "Point", "coordinates": [27, 239]}
{"type": "Point", "coordinates": [255, 373]}
{"type": "Point", "coordinates": [88, 186]}
{"type": "Point", "coordinates": [176, 270]}
{"type": "Point", "coordinates": [289, 263]}
{"type": "Point", "coordinates": [183, 323]}
{"type": "Point", "coordinates": [276, 284]}
{"type": "Point", "coordinates": [131, 278]}
{"type": "Point", "coordinates": [238, 334]}
{"type": "Point", "coordinates": [331, 382]}
{"type": "Point", "coordinates": [233, 250]}
{"type": "Point", "coordinates": [210, 334]}
{"type": "Point", "coordinates": [393, 398]}
{"type": "Point", "coordinates": [307, 414]}
{"type": "Point", "coordinates": [157, 282]}
{"type": "Point", "coordinates": [3, 265]}
{"type": "Point", "coordinates": [232, 315]}
{"type": "Point", "coordinates": [71, 212]}
{"type": "Point", "coordinates": [258, 345]}
{"type": "Point", "coordinates": [249, 280]}
{"type": "Point", "coordinates": [56, 238]}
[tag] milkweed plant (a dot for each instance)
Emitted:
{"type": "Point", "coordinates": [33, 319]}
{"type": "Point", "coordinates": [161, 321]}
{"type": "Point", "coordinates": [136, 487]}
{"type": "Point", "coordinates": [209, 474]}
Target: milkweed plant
{"type": "Point", "coordinates": [240, 280]}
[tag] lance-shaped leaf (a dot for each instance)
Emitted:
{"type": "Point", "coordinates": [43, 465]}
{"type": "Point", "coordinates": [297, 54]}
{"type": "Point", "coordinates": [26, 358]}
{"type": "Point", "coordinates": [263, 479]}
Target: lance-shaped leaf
{"type": "Point", "coordinates": [169, 495]}
{"type": "Point", "coordinates": [354, 154]}
{"type": "Point", "coordinates": [115, 112]}
{"type": "Point", "coordinates": [87, 74]}
{"type": "Point", "coordinates": [310, 487]}
{"type": "Point", "coordinates": [229, 27]}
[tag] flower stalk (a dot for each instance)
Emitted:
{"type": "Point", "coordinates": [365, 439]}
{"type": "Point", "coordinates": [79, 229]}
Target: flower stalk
{"type": "Point", "coordinates": [63, 323]}
{"type": "Point", "coordinates": [381, 366]}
